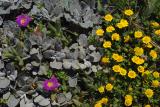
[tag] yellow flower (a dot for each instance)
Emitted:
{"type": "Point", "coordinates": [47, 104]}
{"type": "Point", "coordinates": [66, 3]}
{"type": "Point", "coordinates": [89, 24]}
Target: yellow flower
{"type": "Point", "coordinates": [149, 93]}
{"type": "Point", "coordinates": [98, 105]}
{"type": "Point", "coordinates": [154, 24]}
{"type": "Point", "coordinates": [155, 83]}
{"type": "Point", "coordinates": [147, 105]}
{"type": "Point", "coordinates": [157, 32]}
{"type": "Point", "coordinates": [140, 69]}
{"type": "Point", "coordinates": [128, 102]}
{"type": "Point", "coordinates": [128, 97]}
{"type": "Point", "coordinates": [138, 34]}
{"type": "Point", "coordinates": [115, 36]}
{"type": "Point", "coordinates": [109, 87]}
{"type": "Point", "coordinates": [138, 51]}
{"type": "Point", "coordinates": [156, 74]}
{"type": "Point", "coordinates": [107, 44]}
{"type": "Point", "coordinates": [104, 100]}
{"type": "Point", "coordinates": [132, 74]}
{"type": "Point", "coordinates": [99, 32]}
{"type": "Point", "coordinates": [146, 39]}
{"type": "Point", "coordinates": [153, 54]}
{"type": "Point", "coordinates": [117, 57]}
{"type": "Point", "coordinates": [116, 68]}
{"type": "Point", "coordinates": [101, 89]}
{"type": "Point", "coordinates": [126, 38]}
{"type": "Point", "coordinates": [110, 29]}
{"type": "Point", "coordinates": [123, 72]}
{"type": "Point", "coordinates": [108, 17]}
{"type": "Point", "coordinates": [123, 23]}
{"type": "Point", "coordinates": [149, 45]}
{"type": "Point", "coordinates": [137, 60]}
{"type": "Point", "coordinates": [128, 12]}
{"type": "Point", "coordinates": [105, 60]}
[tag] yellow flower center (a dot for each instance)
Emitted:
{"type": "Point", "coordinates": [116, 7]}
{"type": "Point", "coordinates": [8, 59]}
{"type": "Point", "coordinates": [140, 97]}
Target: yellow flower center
{"type": "Point", "coordinates": [23, 20]}
{"type": "Point", "coordinates": [49, 84]}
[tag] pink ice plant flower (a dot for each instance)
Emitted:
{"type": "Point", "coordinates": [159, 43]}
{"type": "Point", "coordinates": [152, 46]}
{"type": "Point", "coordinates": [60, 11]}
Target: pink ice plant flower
{"type": "Point", "coordinates": [23, 20]}
{"type": "Point", "coordinates": [51, 84]}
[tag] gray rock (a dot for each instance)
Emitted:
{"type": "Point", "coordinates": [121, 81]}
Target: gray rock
{"type": "Point", "coordinates": [106, 70]}
{"type": "Point", "coordinates": [82, 53]}
{"type": "Point", "coordinates": [4, 82]}
{"type": "Point", "coordinates": [2, 74]}
{"type": "Point", "coordinates": [56, 65]}
{"type": "Point", "coordinates": [12, 101]}
{"type": "Point", "coordinates": [83, 40]}
{"type": "Point", "coordinates": [74, 46]}
{"type": "Point", "coordinates": [13, 76]}
{"type": "Point", "coordinates": [67, 64]}
{"type": "Point", "coordinates": [96, 56]}
{"type": "Point", "coordinates": [44, 102]}
{"type": "Point", "coordinates": [72, 81]}
{"type": "Point", "coordinates": [92, 48]}
{"type": "Point", "coordinates": [61, 98]}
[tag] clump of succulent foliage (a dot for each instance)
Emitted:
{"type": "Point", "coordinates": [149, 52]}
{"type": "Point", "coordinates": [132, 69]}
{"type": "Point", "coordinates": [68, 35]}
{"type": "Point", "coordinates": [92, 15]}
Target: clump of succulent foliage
{"type": "Point", "coordinates": [79, 53]}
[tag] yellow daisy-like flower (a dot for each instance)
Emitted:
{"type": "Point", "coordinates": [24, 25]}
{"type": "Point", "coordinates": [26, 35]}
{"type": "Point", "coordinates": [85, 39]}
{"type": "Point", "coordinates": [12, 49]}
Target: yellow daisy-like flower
{"type": "Point", "coordinates": [146, 39]}
{"type": "Point", "coordinates": [123, 72]}
{"type": "Point", "coordinates": [140, 69]}
{"type": "Point", "coordinates": [115, 36]}
{"type": "Point", "coordinates": [123, 23]}
{"type": "Point", "coordinates": [155, 24]}
{"type": "Point", "coordinates": [138, 34]}
{"type": "Point", "coordinates": [153, 54]}
{"type": "Point", "coordinates": [98, 105]}
{"type": "Point", "coordinates": [110, 29]}
{"type": "Point", "coordinates": [109, 87]}
{"type": "Point", "coordinates": [149, 45]}
{"type": "Point", "coordinates": [108, 17]}
{"type": "Point", "coordinates": [128, 102]}
{"type": "Point", "coordinates": [149, 93]}
{"type": "Point", "coordinates": [116, 68]}
{"type": "Point", "coordinates": [99, 32]}
{"type": "Point", "coordinates": [157, 32]}
{"type": "Point", "coordinates": [104, 100]}
{"type": "Point", "coordinates": [101, 89]}
{"type": "Point", "coordinates": [107, 44]}
{"type": "Point", "coordinates": [147, 105]}
{"type": "Point", "coordinates": [138, 51]}
{"type": "Point", "coordinates": [132, 74]}
{"type": "Point", "coordinates": [155, 83]}
{"type": "Point", "coordinates": [126, 38]}
{"type": "Point", "coordinates": [105, 60]}
{"type": "Point", "coordinates": [128, 12]}
{"type": "Point", "coordinates": [137, 60]}
{"type": "Point", "coordinates": [128, 97]}
{"type": "Point", "coordinates": [156, 74]}
{"type": "Point", "coordinates": [117, 57]}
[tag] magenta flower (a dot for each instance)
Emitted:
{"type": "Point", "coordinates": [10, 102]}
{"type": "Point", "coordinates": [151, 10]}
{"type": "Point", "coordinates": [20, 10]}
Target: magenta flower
{"type": "Point", "coordinates": [51, 84]}
{"type": "Point", "coordinates": [23, 20]}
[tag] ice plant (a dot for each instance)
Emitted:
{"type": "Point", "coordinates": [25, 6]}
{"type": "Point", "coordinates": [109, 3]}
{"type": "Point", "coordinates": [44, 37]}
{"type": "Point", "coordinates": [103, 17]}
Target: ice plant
{"type": "Point", "coordinates": [51, 84]}
{"type": "Point", "coordinates": [23, 20]}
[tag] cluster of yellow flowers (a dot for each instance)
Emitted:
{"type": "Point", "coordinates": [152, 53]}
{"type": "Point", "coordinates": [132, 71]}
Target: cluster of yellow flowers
{"type": "Point", "coordinates": [108, 87]}
{"type": "Point", "coordinates": [127, 54]}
